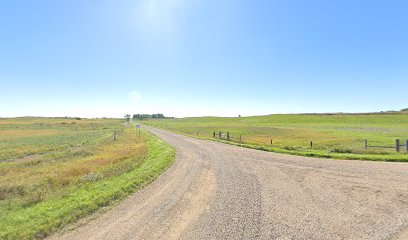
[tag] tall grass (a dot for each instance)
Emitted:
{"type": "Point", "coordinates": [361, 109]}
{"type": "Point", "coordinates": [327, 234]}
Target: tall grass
{"type": "Point", "coordinates": [42, 192]}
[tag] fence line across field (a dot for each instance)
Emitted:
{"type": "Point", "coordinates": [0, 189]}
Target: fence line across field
{"type": "Point", "coordinates": [397, 145]}
{"type": "Point", "coordinates": [227, 136]}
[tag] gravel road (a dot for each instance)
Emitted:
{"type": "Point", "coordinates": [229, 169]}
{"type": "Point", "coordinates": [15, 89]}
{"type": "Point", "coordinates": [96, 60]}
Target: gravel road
{"type": "Point", "coordinates": [219, 191]}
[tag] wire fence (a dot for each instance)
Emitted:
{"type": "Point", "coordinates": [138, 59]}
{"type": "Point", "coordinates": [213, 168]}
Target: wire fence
{"type": "Point", "coordinates": [397, 145]}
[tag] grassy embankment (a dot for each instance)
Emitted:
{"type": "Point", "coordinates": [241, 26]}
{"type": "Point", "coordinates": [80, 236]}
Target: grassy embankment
{"type": "Point", "coordinates": [54, 171]}
{"type": "Point", "coordinates": [338, 136]}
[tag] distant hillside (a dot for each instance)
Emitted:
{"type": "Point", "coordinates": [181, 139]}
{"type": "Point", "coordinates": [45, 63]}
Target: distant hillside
{"type": "Point", "coordinates": [402, 111]}
{"type": "Point", "coordinates": [330, 135]}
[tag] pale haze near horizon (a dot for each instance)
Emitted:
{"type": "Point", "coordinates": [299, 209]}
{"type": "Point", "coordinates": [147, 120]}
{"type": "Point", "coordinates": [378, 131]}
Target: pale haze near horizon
{"type": "Point", "coordinates": [201, 58]}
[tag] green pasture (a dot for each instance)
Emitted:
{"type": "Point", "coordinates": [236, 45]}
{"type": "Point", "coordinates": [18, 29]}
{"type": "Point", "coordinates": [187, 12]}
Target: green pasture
{"type": "Point", "coordinates": [332, 135]}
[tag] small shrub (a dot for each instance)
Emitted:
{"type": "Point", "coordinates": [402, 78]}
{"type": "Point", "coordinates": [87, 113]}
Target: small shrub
{"type": "Point", "coordinates": [91, 177]}
{"type": "Point", "coordinates": [6, 191]}
{"type": "Point", "coordinates": [340, 150]}
{"type": "Point", "coordinates": [290, 148]}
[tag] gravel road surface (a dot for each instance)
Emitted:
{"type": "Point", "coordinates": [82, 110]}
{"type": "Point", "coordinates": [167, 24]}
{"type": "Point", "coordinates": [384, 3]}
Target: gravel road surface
{"type": "Point", "coordinates": [219, 191]}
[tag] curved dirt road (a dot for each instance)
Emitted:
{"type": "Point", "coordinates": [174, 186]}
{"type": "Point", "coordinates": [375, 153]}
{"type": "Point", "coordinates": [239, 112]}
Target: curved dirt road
{"type": "Point", "coordinates": [218, 191]}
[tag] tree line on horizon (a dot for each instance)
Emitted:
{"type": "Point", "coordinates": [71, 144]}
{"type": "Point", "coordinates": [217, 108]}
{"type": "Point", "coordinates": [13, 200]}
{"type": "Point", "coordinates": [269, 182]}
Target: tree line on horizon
{"type": "Point", "coordinates": [144, 116]}
{"type": "Point", "coordinates": [160, 115]}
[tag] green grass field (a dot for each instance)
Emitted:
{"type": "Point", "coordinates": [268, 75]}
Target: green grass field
{"type": "Point", "coordinates": [56, 170]}
{"type": "Point", "coordinates": [338, 136]}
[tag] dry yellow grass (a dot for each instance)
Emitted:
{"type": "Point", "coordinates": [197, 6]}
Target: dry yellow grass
{"type": "Point", "coordinates": [49, 156]}
{"type": "Point", "coordinates": [13, 134]}
{"type": "Point", "coordinates": [56, 170]}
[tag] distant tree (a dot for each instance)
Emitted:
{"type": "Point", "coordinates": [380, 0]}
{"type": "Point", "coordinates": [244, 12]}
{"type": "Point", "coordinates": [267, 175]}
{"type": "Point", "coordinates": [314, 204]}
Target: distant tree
{"type": "Point", "coordinates": [127, 117]}
{"type": "Point", "coordinates": [146, 116]}
{"type": "Point", "coordinates": [404, 110]}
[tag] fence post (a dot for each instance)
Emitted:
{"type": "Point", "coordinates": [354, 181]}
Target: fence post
{"type": "Point", "coordinates": [311, 144]}
{"type": "Point", "coordinates": [220, 135]}
{"type": "Point", "coordinates": [197, 133]}
{"type": "Point", "coordinates": [406, 146]}
{"type": "Point", "coordinates": [228, 137]}
{"type": "Point", "coordinates": [114, 135]}
{"type": "Point", "coordinates": [271, 142]}
{"type": "Point", "coordinates": [397, 145]}
{"type": "Point", "coordinates": [365, 144]}
{"type": "Point", "coordinates": [213, 134]}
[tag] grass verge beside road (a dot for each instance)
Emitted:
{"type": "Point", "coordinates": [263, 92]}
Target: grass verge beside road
{"type": "Point", "coordinates": [109, 173]}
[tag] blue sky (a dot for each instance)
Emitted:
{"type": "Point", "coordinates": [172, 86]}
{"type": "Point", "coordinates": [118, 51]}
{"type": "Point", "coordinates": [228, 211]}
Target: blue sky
{"type": "Point", "coordinates": [202, 57]}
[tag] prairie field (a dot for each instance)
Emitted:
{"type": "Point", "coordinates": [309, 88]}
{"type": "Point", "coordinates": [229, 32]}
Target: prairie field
{"type": "Point", "coordinates": [332, 135]}
{"type": "Point", "coordinates": [56, 170]}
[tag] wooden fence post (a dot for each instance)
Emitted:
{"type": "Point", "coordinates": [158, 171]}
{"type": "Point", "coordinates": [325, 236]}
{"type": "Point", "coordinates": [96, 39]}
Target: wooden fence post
{"type": "Point", "coordinates": [197, 133]}
{"type": "Point", "coordinates": [397, 145]}
{"type": "Point", "coordinates": [311, 144]}
{"type": "Point", "coordinates": [406, 146]}
{"type": "Point", "coordinates": [365, 144]}
{"type": "Point", "coordinates": [228, 136]}
{"type": "Point", "coordinates": [213, 134]}
{"type": "Point", "coordinates": [220, 134]}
